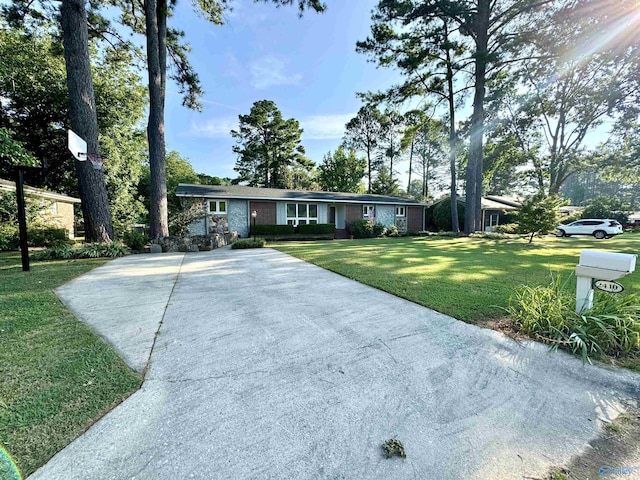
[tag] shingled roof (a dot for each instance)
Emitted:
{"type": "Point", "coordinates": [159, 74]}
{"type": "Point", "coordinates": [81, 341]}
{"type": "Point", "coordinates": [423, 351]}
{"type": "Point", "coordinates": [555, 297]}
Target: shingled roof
{"type": "Point", "coordinates": [253, 193]}
{"type": "Point", "coordinates": [38, 192]}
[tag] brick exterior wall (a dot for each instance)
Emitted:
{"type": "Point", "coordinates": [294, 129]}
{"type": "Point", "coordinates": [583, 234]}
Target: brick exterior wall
{"type": "Point", "coordinates": [266, 212]}
{"type": "Point", "coordinates": [351, 213]}
{"type": "Point", "coordinates": [414, 219]}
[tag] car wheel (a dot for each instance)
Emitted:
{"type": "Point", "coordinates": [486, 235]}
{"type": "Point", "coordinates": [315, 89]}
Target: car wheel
{"type": "Point", "coordinates": [560, 233]}
{"type": "Point", "coordinates": [599, 234]}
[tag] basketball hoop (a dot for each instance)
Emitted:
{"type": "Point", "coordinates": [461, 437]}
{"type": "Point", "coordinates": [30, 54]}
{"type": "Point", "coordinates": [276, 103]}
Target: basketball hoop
{"type": "Point", "coordinates": [96, 159]}
{"type": "Point", "coordinates": [78, 148]}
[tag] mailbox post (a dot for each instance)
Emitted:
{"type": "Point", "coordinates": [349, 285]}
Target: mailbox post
{"type": "Point", "coordinates": [597, 265]}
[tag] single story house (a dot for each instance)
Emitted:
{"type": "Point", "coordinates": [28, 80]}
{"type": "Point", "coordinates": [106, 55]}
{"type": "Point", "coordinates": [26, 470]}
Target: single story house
{"type": "Point", "coordinates": [495, 208]}
{"type": "Point", "coordinates": [232, 207]}
{"type": "Point", "coordinates": [55, 207]}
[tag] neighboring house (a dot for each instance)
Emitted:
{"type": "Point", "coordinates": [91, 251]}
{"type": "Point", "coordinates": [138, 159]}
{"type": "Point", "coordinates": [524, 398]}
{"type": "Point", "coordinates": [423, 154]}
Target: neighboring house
{"type": "Point", "coordinates": [55, 207]}
{"type": "Point", "coordinates": [232, 206]}
{"type": "Point", "coordinates": [495, 208]}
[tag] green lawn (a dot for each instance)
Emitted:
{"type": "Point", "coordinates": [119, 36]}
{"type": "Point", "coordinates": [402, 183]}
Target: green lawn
{"type": "Point", "coordinates": [57, 375]}
{"type": "Point", "coordinates": [467, 278]}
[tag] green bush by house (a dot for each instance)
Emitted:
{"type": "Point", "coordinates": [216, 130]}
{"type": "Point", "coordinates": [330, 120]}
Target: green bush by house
{"type": "Point", "coordinates": [273, 230]}
{"type": "Point", "coordinates": [36, 237]}
{"type": "Point", "coordinates": [316, 228]}
{"type": "Point", "coordinates": [365, 229]}
{"type": "Point", "coordinates": [309, 229]}
{"type": "Point", "coordinates": [442, 214]}
{"type": "Point", "coordinates": [46, 237]}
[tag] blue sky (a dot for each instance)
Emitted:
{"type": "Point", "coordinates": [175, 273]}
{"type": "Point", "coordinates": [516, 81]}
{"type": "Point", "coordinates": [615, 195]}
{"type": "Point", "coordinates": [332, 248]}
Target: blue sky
{"type": "Point", "coordinates": [308, 66]}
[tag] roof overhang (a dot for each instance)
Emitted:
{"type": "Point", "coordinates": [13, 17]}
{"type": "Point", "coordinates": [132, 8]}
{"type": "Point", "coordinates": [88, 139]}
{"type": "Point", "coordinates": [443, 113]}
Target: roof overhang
{"type": "Point", "coordinates": [293, 199]}
{"type": "Point", "coordinates": [36, 192]}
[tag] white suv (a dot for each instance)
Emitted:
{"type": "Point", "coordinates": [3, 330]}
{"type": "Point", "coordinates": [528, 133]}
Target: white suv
{"type": "Point", "coordinates": [598, 227]}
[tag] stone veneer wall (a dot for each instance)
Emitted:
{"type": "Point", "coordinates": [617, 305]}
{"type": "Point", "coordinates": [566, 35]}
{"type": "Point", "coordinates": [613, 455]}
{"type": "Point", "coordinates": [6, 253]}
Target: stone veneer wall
{"type": "Point", "coordinates": [238, 217]}
{"type": "Point", "coordinates": [197, 227]}
{"type": "Point", "coordinates": [386, 215]}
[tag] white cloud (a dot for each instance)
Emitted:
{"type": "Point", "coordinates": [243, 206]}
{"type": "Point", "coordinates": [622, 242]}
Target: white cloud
{"type": "Point", "coordinates": [213, 128]}
{"type": "Point", "coordinates": [316, 127]}
{"type": "Point", "coordinates": [270, 71]}
{"type": "Point", "coordinates": [325, 127]}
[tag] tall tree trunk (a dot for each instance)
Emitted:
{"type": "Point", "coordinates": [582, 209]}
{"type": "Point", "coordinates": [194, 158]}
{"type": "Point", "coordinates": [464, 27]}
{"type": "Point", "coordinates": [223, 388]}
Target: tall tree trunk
{"type": "Point", "coordinates": [473, 211]}
{"type": "Point", "coordinates": [410, 166]}
{"type": "Point", "coordinates": [424, 179]}
{"type": "Point", "coordinates": [453, 143]}
{"type": "Point", "coordinates": [391, 156]}
{"type": "Point", "coordinates": [84, 121]}
{"type": "Point", "coordinates": [369, 167]}
{"type": "Point", "coordinates": [155, 13]}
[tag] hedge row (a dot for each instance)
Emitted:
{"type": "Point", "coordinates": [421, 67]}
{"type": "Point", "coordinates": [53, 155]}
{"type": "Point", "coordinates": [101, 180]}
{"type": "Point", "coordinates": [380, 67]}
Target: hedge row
{"type": "Point", "coordinates": [36, 237]}
{"type": "Point", "coordinates": [309, 229]}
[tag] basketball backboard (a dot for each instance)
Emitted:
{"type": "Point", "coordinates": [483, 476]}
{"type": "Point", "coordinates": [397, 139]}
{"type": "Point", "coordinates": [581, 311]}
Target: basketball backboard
{"type": "Point", "coordinates": [77, 146]}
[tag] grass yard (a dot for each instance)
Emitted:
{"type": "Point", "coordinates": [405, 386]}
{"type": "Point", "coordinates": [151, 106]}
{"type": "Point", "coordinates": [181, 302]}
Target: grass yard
{"type": "Point", "coordinates": [57, 375]}
{"type": "Point", "coordinates": [467, 278]}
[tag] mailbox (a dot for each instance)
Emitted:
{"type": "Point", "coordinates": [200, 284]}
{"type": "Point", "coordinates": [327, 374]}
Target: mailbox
{"type": "Point", "coordinates": [605, 265]}
{"type": "Point", "coordinates": [599, 266]}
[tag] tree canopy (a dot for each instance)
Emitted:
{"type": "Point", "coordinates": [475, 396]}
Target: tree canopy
{"type": "Point", "coordinates": [342, 171]}
{"type": "Point", "coordinates": [269, 147]}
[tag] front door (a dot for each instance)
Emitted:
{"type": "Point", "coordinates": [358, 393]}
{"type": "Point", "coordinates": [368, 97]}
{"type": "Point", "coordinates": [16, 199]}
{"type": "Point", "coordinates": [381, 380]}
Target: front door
{"type": "Point", "coordinates": [332, 215]}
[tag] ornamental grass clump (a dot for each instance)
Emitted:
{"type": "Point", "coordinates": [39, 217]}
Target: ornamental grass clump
{"type": "Point", "coordinates": [87, 250]}
{"type": "Point", "coordinates": [547, 313]}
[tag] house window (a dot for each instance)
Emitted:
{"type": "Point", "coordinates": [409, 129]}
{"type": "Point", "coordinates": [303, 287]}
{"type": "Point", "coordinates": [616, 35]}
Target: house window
{"type": "Point", "coordinates": [368, 211]}
{"type": "Point", "coordinates": [218, 206]}
{"type": "Point", "coordinates": [401, 212]}
{"type": "Point", "coordinates": [492, 219]}
{"type": "Point", "coordinates": [302, 213]}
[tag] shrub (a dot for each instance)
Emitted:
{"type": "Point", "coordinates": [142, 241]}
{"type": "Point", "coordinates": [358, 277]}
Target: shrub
{"type": "Point", "coordinates": [509, 228]}
{"type": "Point", "coordinates": [539, 214]}
{"type": "Point", "coordinates": [607, 207]}
{"type": "Point", "coordinates": [180, 221]}
{"type": "Point", "coordinates": [442, 214]}
{"type": "Point", "coordinates": [361, 228]}
{"type": "Point", "coordinates": [136, 241]}
{"type": "Point", "coordinates": [249, 243]}
{"type": "Point", "coordinates": [379, 230]}
{"type": "Point", "coordinates": [317, 228]}
{"type": "Point", "coordinates": [272, 230]}
{"type": "Point", "coordinates": [9, 237]}
{"type": "Point", "coordinates": [392, 231]}
{"type": "Point", "coordinates": [88, 250]}
{"type": "Point", "coordinates": [57, 252]}
{"type": "Point", "coordinates": [547, 313]}
{"type": "Point", "coordinates": [46, 237]}
{"type": "Point", "coordinates": [429, 222]}
{"type": "Point", "coordinates": [490, 235]}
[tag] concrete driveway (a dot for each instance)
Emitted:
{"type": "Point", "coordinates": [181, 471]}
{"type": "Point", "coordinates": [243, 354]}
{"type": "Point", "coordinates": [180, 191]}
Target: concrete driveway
{"type": "Point", "coordinates": [265, 366]}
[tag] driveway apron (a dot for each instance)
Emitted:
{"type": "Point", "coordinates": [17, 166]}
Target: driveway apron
{"type": "Point", "coordinates": [269, 367]}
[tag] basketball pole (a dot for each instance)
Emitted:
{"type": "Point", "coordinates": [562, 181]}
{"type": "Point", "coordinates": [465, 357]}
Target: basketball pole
{"type": "Point", "coordinates": [22, 220]}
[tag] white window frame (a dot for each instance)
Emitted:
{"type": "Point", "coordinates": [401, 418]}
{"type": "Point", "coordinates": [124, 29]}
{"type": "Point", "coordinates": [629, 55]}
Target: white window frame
{"type": "Point", "coordinates": [401, 211]}
{"type": "Point", "coordinates": [308, 219]}
{"type": "Point", "coordinates": [217, 203]}
{"type": "Point", "coordinates": [492, 217]}
{"type": "Point", "coordinates": [368, 211]}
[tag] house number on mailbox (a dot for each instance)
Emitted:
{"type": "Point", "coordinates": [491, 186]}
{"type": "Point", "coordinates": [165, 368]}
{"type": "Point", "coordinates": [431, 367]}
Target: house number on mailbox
{"type": "Point", "coordinates": [608, 286]}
